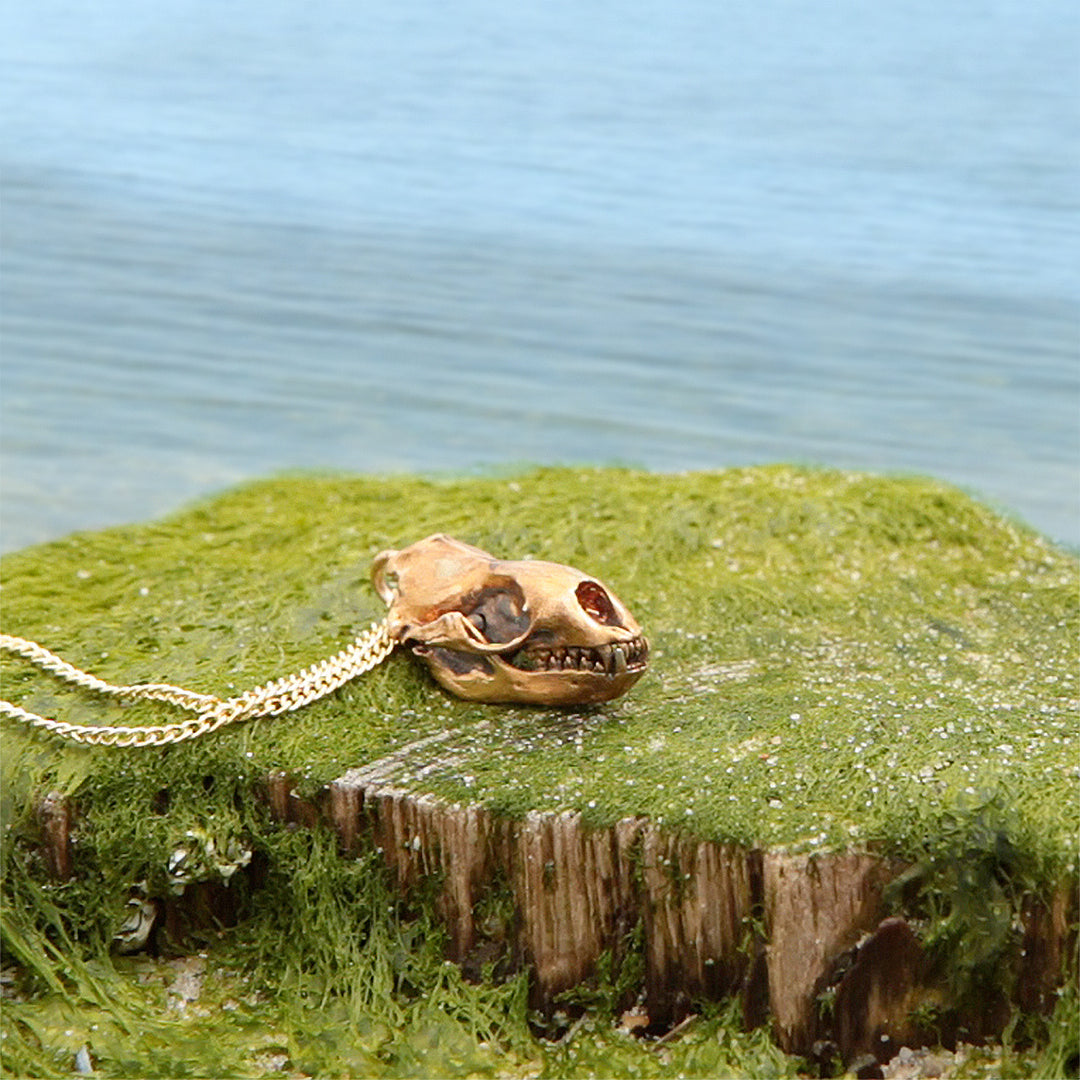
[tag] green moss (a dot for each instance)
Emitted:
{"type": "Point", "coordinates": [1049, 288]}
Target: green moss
{"type": "Point", "coordinates": [712, 1046]}
{"type": "Point", "coordinates": [328, 972]}
{"type": "Point", "coordinates": [837, 660]}
{"type": "Point", "coordinates": [836, 657]}
{"type": "Point", "coordinates": [615, 983]}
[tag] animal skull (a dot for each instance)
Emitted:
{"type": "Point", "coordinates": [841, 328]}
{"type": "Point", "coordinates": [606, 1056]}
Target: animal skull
{"type": "Point", "coordinates": [492, 630]}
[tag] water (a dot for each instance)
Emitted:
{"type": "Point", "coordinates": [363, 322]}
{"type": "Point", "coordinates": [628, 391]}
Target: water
{"type": "Point", "coordinates": [244, 238]}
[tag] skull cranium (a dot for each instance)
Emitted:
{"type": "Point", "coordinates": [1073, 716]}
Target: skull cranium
{"type": "Point", "coordinates": [501, 631]}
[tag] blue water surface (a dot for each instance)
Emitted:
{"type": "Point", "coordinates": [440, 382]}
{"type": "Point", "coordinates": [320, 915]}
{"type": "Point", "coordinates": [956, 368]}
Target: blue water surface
{"type": "Point", "coordinates": [246, 237]}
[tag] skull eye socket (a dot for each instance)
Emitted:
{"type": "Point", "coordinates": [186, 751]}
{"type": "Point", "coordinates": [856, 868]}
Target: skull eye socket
{"type": "Point", "coordinates": [499, 612]}
{"type": "Point", "coordinates": [596, 603]}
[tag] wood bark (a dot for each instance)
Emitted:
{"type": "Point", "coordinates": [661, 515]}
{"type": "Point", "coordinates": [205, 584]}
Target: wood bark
{"type": "Point", "coordinates": [716, 918]}
{"type": "Point", "coordinates": [816, 907]}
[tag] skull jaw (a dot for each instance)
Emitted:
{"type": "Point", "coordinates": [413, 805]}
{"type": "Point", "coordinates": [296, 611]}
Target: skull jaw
{"type": "Point", "coordinates": [490, 679]}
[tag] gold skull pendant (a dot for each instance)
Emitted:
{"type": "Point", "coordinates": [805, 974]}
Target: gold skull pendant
{"type": "Point", "coordinates": [493, 630]}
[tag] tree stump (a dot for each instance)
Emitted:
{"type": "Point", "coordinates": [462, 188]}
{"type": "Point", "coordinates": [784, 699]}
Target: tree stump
{"type": "Point", "coordinates": [706, 911]}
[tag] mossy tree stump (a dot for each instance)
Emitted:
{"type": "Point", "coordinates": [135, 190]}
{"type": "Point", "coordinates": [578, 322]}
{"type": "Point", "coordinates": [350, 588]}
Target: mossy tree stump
{"type": "Point", "coordinates": [854, 753]}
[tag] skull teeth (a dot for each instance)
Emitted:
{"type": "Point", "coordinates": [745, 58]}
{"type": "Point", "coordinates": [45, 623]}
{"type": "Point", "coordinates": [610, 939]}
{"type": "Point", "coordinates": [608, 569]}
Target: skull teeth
{"type": "Point", "coordinates": [605, 659]}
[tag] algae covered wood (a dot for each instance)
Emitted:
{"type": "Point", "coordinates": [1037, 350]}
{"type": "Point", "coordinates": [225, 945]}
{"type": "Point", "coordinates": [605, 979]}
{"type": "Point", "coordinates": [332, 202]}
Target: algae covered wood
{"type": "Point", "coordinates": [847, 671]}
{"type": "Point", "coordinates": [576, 893]}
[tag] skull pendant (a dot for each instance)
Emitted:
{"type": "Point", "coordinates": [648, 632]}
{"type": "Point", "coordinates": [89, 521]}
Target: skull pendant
{"type": "Point", "coordinates": [498, 631]}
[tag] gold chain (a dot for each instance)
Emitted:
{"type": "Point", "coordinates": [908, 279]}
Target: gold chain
{"type": "Point", "coordinates": [369, 650]}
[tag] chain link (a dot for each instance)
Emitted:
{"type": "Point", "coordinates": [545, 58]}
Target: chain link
{"type": "Point", "coordinates": [369, 650]}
